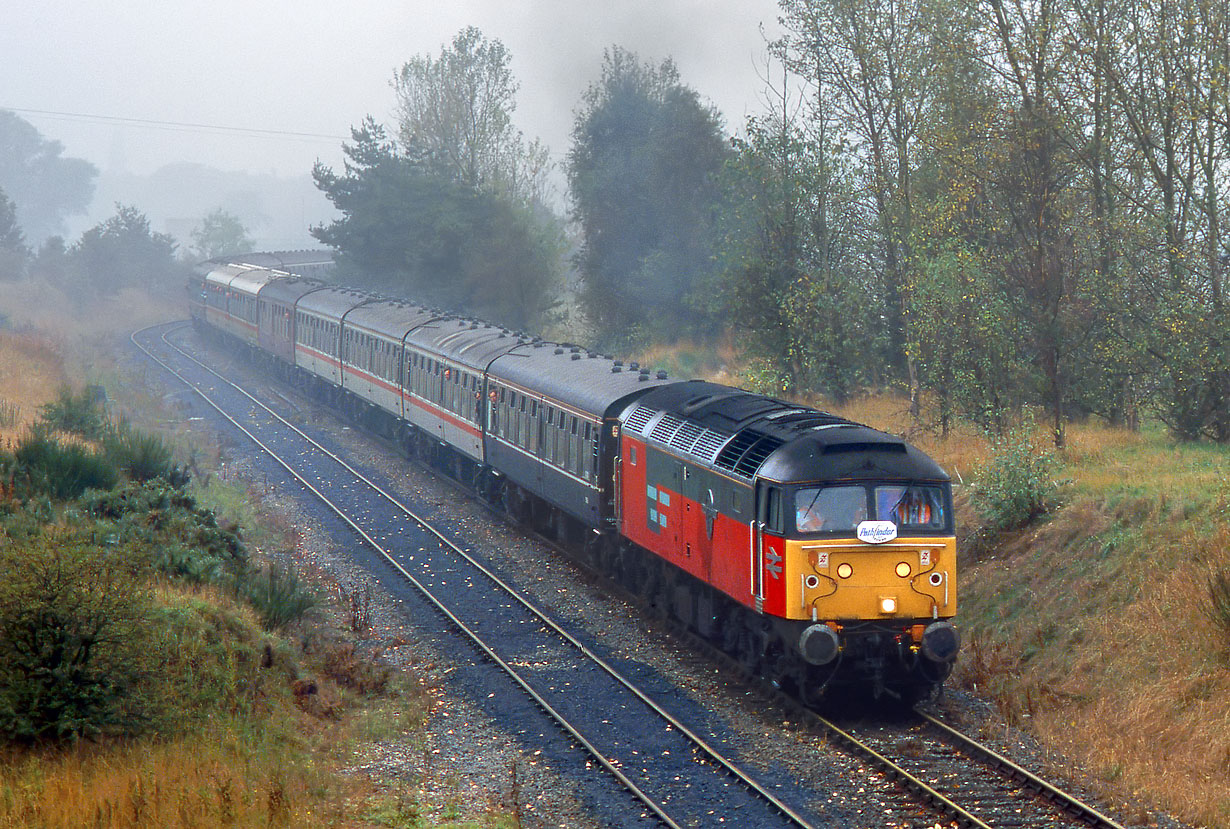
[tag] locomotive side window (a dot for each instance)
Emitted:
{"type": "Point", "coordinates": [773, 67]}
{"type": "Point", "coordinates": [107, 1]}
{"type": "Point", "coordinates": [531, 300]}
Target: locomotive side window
{"type": "Point", "coordinates": [773, 510]}
{"type": "Point", "coordinates": [916, 507]}
{"type": "Point", "coordinates": [829, 509]}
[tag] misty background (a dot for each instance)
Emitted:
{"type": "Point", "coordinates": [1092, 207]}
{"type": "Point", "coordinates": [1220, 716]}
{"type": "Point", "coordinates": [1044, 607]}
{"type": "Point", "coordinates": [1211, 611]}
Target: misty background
{"type": "Point", "coordinates": [188, 108]}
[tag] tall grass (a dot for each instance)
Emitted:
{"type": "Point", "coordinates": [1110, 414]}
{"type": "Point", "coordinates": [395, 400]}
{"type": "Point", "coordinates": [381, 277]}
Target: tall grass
{"type": "Point", "coordinates": [278, 595]}
{"type": "Point", "coordinates": [10, 414]}
{"type": "Point", "coordinates": [63, 471]}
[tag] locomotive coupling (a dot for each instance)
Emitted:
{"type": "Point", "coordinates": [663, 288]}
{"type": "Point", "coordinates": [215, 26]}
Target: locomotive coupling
{"type": "Point", "coordinates": [819, 644]}
{"type": "Point", "coordinates": [940, 642]}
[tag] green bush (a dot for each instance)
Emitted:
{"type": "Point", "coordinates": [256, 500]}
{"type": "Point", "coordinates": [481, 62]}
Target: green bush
{"type": "Point", "coordinates": [62, 471]}
{"type": "Point", "coordinates": [79, 414]}
{"type": "Point", "coordinates": [1017, 485]}
{"type": "Point", "coordinates": [142, 456]}
{"type": "Point", "coordinates": [77, 654]}
{"type": "Point", "coordinates": [182, 539]}
{"type": "Point", "coordinates": [277, 594]}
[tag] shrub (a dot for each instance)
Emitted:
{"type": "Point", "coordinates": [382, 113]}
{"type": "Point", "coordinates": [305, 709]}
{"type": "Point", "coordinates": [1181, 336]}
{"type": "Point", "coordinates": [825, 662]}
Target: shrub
{"type": "Point", "coordinates": [142, 456]}
{"type": "Point", "coordinates": [79, 414]}
{"type": "Point", "coordinates": [183, 540]}
{"type": "Point", "coordinates": [1017, 485]}
{"type": "Point", "coordinates": [62, 471]}
{"type": "Point", "coordinates": [277, 594]}
{"type": "Point", "coordinates": [76, 650]}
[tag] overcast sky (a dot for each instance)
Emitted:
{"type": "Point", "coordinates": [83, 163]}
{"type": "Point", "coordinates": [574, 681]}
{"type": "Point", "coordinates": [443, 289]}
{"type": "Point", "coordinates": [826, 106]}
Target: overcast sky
{"type": "Point", "coordinates": [318, 67]}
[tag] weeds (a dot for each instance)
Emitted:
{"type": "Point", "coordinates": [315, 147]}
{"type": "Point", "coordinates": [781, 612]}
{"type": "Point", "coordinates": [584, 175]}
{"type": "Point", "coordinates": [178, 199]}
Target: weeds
{"type": "Point", "coordinates": [62, 471]}
{"type": "Point", "coordinates": [277, 594]}
{"type": "Point", "coordinates": [357, 603]}
{"type": "Point", "coordinates": [78, 414]}
{"type": "Point", "coordinates": [1219, 602]}
{"type": "Point", "coordinates": [10, 413]}
{"type": "Point", "coordinates": [142, 456]}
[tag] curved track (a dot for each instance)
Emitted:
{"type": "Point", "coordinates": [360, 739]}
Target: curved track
{"type": "Point", "coordinates": [671, 770]}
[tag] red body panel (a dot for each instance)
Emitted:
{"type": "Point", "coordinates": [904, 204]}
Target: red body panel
{"type": "Point", "coordinates": [674, 527]}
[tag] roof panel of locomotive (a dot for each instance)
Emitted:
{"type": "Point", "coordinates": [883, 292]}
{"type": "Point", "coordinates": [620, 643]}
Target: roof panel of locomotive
{"type": "Point", "coordinates": [332, 303]}
{"type": "Point", "coordinates": [391, 318]}
{"type": "Point", "coordinates": [749, 434]}
{"type": "Point", "coordinates": [571, 375]}
{"type": "Point", "coordinates": [288, 290]}
{"type": "Point", "coordinates": [471, 343]}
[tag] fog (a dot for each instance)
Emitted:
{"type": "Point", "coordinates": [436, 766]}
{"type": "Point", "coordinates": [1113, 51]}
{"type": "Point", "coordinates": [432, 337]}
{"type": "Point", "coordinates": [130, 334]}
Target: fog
{"type": "Point", "coordinates": [261, 90]}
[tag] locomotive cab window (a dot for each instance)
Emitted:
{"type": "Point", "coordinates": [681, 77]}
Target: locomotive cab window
{"type": "Point", "coordinates": [771, 510]}
{"type": "Point", "coordinates": [830, 508]}
{"type": "Point", "coordinates": [912, 507]}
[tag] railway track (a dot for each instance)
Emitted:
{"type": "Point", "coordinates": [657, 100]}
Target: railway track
{"type": "Point", "coordinates": [972, 784]}
{"type": "Point", "coordinates": [944, 772]}
{"type": "Point", "coordinates": [675, 775]}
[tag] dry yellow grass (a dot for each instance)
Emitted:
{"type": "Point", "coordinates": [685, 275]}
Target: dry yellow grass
{"type": "Point", "coordinates": [31, 372]}
{"type": "Point", "coordinates": [53, 341]}
{"type": "Point", "coordinates": [210, 780]}
{"type": "Point", "coordinates": [64, 317]}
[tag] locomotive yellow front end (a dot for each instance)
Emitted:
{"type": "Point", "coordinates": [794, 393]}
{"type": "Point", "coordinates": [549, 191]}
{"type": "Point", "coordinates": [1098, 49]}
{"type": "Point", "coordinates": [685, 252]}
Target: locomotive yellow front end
{"type": "Point", "coordinates": [873, 569]}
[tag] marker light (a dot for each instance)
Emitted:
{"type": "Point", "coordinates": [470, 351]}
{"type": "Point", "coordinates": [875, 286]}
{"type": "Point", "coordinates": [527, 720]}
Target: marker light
{"type": "Point", "coordinates": [903, 569]}
{"type": "Point", "coordinates": [888, 604]}
{"type": "Point", "coordinates": [845, 570]}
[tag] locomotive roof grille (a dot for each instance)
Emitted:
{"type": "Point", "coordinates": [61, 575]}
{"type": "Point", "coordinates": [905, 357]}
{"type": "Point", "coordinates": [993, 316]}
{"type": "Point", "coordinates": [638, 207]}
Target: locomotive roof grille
{"type": "Point", "coordinates": [665, 428]}
{"type": "Point", "coordinates": [710, 443]}
{"type": "Point", "coordinates": [745, 454]}
{"type": "Point", "coordinates": [639, 419]}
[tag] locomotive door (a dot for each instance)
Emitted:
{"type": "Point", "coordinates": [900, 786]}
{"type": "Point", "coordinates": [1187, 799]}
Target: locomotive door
{"type": "Point", "coordinates": [768, 549]}
{"type": "Point", "coordinates": [756, 553]}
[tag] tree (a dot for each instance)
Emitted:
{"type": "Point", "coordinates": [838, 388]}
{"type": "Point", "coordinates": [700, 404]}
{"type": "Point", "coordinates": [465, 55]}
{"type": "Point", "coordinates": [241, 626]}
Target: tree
{"type": "Point", "coordinates": [457, 109]}
{"type": "Point", "coordinates": [13, 250]}
{"type": "Point", "coordinates": [643, 172]}
{"type": "Point", "coordinates": [410, 231]}
{"type": "Point", "coordinates": [795, 273]}
{"type": "Point", "coordinates": [45, 186]}
{"type": "Point", "coordinates": [219, 234]}
{"type": "Point", "coordinates": [872, 60]}
{"type": "Point", "coordinates": [123, 252]}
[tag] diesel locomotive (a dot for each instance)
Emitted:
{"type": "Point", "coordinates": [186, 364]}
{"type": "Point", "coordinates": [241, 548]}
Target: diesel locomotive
{"type": "Point", "coordinates": [817, 552]}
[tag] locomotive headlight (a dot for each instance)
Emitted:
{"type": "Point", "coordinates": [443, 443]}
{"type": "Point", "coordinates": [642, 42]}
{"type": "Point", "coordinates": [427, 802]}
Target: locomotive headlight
{"type": "Point", "coordinates": [903, 569]}
{"type": "Point", "coordinates": [888, 604]}
{"type": "Point", "coordinates": [845, 570]}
